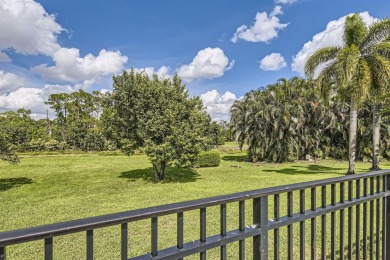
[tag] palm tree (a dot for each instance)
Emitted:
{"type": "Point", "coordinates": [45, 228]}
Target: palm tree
{"type": "Point", "coordinates": [352, 70]}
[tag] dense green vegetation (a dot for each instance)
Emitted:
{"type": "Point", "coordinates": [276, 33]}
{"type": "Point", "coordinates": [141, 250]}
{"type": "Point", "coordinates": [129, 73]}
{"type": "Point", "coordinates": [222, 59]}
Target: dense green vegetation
{"type": "Point", "coordinates": [294, 118]}
{"type": "Point", "coordinates": [50, 189]}
{"type": "Point", "coordinates": [158, 117]}
{"type": "Point", "coordinates": [357, 71]}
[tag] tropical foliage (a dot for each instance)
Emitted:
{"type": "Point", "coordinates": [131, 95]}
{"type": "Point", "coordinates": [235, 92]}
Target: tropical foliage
{"type": "Point", "coordinates": [358, 70]}
{"type": "Point", "coordinates": [288, 120]}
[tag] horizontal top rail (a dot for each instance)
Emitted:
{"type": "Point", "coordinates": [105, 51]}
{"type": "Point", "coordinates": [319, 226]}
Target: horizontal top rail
{"type": "Point", "coordinates": [40, 232]}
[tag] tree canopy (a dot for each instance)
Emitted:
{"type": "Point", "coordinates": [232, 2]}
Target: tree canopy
{"type": "Point", "coordinates": [159, 117]}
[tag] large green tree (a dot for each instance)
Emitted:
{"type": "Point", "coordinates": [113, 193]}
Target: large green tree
{"type": "Point", "coordinates": [354, 68]}
{"type": "Point", "coordinates": [159, 117]}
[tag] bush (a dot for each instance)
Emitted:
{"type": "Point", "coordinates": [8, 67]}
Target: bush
{"type": "Point", "coordinates": [208, 159]}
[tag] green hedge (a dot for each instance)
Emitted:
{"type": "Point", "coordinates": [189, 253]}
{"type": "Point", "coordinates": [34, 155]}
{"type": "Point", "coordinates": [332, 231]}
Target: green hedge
{"type": "Point", "coordinates": [208, 159]}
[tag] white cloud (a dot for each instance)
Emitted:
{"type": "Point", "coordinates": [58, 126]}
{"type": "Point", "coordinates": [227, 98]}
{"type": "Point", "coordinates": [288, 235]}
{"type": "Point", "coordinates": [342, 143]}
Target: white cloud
{"type": "Point", "coordinates": [217, 105]}
{"type": "Point", "coordinates": [277, 11]}
{"type": "Point", "coordinates": [331, 36]}
{"type": "Point", "coordinates": [284, 1]}
{"type": "Point", "coordinates": [209, 63]}
{"type": "Point", "coordinates": [70, 67]}
{"type": "Point", "coordinates": [274, 61]}
{"type": "Point", "coordinates": [4, 57]}
{"type": "Point", "coordinates": [265, 28]}
{"type": "Point", "coordinates": [32, 98]}
{"type": "Point", "coordinates": [10, 82]}
{"type": "Point", "coordinates": [27, 28]}
{"type": "Point", "coordinates": [162, 72]}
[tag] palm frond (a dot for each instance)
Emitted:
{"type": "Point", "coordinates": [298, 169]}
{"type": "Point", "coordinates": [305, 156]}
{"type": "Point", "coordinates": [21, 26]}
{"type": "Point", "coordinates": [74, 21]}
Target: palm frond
{"type": "Point", "coordinates": [382, 48]}
{"type": "Point", "coordinates": [380, 70]}
{"type": "Point", "coordinates": [321, 56]}
{"type": "Point", "coordinates": [355, 30]}
{"type": "Point", "coordinates": [361, 82]}
{"type": "Point", "coordinates": [378, 32]}
{"type": "Point", "coordinates": [345, 65]}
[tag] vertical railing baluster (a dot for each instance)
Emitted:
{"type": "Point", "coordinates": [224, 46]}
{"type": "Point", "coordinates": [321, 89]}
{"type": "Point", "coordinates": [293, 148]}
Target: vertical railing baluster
{"type": "Point", "coordinates": [350, 246]}
{"type": "Point", "coordinates": [333, 223]}
{"type": "Point", "coordinates": [49, 248]}
{"type": "Point", "coordinates": [290, 241]}
{"type": "Point", "coordinates": [276, 230]}
{"type": "Point", "coordinates": [2, 253]}
{"type": "Point", "coordinates": [223, 229]}
{"type": "Point", "coordinates": [384, 217]}
{"type": "Point", "coordinates": [256, 221]}
{"type": "Point", "coordinates": [372, 219]}
{"type": "Point", "coordinates": [378, 218]}
{"type": "Point", "coordinates": [342, 220]}
{"type": "Point", "coordinates": [154, 236]}
{"type": "Point", "coordinates": [323, 224]}
{"type": "Point", "coordinates": [313, 242]}
{"type": "Point", "coordinates": [124, 241]}
{"type": "Point", "coordinates": [90, 244]}
{"type": "Point", "coordinates": [203, 231]}
{"type": "Point", "coordinates": [357, 220]}
{"type": "Point", "coordinates": [264, 228]}
{"type": "Point", "coordinates": [180, 231]}
{"type": "Point", "coordinates": [241, 226]}
{"type": "Point", "coordinates": [302, 225]}
{"type": "Point", "coordinates": [365, 220]}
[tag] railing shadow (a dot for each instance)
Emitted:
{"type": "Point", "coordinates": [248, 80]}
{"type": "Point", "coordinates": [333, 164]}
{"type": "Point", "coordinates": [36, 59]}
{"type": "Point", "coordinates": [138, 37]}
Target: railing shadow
{"type": "Point", "coordinates": [9, 183]}
{"type": "Point", "coordinates": [307, 169]}
{"type": "Point", "coordinates": [172, 175]}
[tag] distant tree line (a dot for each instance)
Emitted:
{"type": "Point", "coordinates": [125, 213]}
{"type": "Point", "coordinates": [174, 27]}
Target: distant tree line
{"type": "Point", "coordinates": [154, 116]}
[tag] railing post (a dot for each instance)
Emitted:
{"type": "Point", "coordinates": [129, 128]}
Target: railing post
{"type": "Point", "coordinates": [386, 221]}
{"type": "Point", "coordinates": [260, 218]}
{"type": "Point", "coordinates": [2, 252]}
{"type": "Point", "coordinates": [264, 228]}
{"type": "Point", "coordinates": [256, 221]}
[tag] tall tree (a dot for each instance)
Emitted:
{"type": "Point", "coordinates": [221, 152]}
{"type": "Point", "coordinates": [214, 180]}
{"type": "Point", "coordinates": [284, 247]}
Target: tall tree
{"type": "Point", "coordinates": [353, 68]}
{"type": "Point", "coordinates": [159, 117]}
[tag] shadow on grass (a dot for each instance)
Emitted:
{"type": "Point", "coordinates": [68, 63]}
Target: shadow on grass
{"type": "Point", "coordinates": [308, 169]}
{"type": "Point", "coordinates": [179, 175]}
{"type": "Point", "coordinates": [236, 158]}
{"type": "Point", "coordinates": [9, 183]}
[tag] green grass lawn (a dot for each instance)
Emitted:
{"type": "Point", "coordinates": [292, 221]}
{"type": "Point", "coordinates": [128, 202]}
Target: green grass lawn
{"type": "Point", "coordinates": [54, 188]}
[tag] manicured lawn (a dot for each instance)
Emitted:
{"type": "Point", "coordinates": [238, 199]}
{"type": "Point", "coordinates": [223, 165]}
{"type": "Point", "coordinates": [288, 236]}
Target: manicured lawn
{"type": "Point", "coordinates": [49, 189]}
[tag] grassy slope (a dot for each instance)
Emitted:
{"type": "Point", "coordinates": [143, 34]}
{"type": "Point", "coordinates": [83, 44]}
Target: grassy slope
{"type": "Point", "coordinates": [49, 189]}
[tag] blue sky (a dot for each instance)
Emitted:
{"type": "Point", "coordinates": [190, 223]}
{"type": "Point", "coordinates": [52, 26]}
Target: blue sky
{"type": "Point", "coordinates": [222, 49]}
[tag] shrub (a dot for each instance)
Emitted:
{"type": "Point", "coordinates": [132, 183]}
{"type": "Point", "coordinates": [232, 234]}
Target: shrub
{"type": "Point", "coordinates": [208, 159]}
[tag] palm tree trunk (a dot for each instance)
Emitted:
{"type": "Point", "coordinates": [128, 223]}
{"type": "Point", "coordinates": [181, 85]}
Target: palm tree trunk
{"type": "Point", "coordinates": [352, 140]}
{"type": "Point", "coordinates": [375, 137]}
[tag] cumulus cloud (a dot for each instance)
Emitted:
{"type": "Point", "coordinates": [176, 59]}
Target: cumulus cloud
{"type": "Point", "coordinates": [32, 98]}
{"type": "Point", "coordinates": [27, 28]}
{"type": "Point", "coordinates": [209, 63]}
{"type": "Point", "coordinates": [284, 1]}
{"type": "Point", "coordinates": [10, 82]}
{"type": "Point", "coordinates": [265, 27]}
{"type": "Point", "coordinates": [277, 11]}
{"type": "Point", "coordinates": [217, 105]}
{"type": "Point", "coordinates": [331, 36]}
{"type": "Point", "coordinates": [162, 72]}
{"type": "Point", "coordinates": [70, 67]}
{"type": "Point", "coordinates": [274, 61]}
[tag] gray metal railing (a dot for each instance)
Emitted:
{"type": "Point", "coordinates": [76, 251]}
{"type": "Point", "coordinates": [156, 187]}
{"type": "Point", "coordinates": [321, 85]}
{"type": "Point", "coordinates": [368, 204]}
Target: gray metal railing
{"type": "Point", "coordinates": [367, 195]}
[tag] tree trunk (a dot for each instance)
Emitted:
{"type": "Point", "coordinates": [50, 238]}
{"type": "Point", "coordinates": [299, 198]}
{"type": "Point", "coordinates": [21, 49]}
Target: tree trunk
{"type": "Point", "coordinates": [352, 140]}
{"type": "Point", "coordinates": [159, 171]}
{"type": "Point", "coordinates": [375, 137]}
